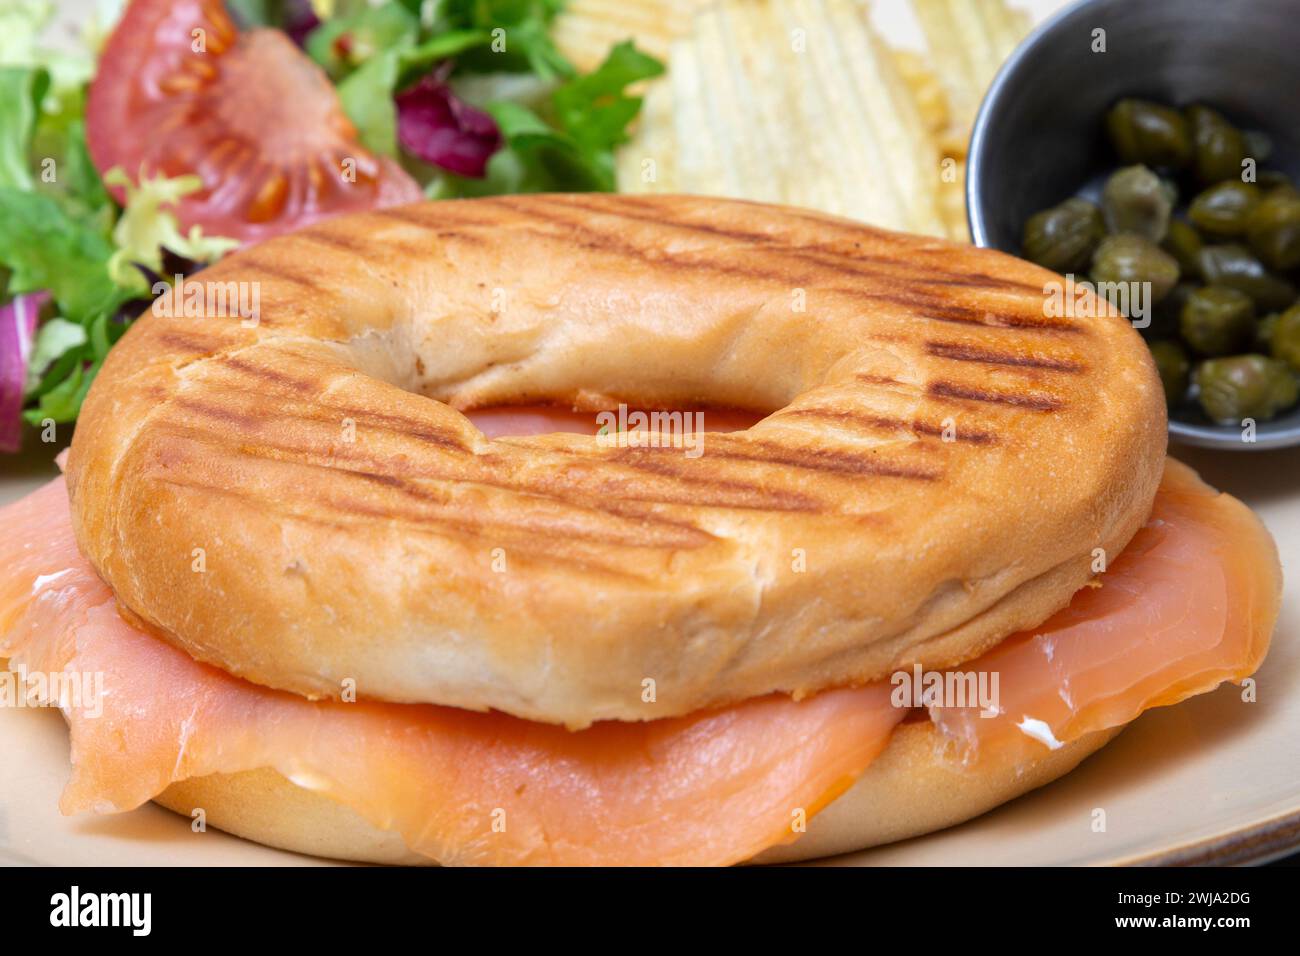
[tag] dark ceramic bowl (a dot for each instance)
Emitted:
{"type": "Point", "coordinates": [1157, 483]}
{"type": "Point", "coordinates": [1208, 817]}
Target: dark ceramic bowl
{"type": "Point", "coordinates": [1039, 136]}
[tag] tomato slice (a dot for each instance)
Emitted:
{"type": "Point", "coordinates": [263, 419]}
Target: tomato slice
{"type": "Point", "coordinates": [180, 90]}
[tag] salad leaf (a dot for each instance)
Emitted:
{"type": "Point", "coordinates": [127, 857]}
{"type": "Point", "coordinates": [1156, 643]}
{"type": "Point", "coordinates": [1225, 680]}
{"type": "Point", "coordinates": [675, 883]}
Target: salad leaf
{"type": "Point", "coordinates": [21, 91]}
{"type": "Point", "coordinates": [480, 81]}
{"type": "Point", "coordinates": [341, 45]}
{"type": "Point", "coordinates": [367, 98]}
{"type": "Point", "coordinates": [421, 57]}
{"type": "Point", "coordinates": [105, 330]}
{"type": "Point", "coordinates": [595, 109]}
{"type": "Point", "coordinates": [577, 155]}
{"type": "Point", "coordinates": [62, 402]}
{"type": "Point", "coordinates": [21, 25]}
{"type": "Point", "coordinates": [17, 327]}
{"type": "Point", "coordinates": [45, 248]}
{"type": "Point", "coordinates": [367, 93]}
{"type": "Point", "coordinates": [145, 228]}
{"type": "Point", "coordinates": [436, 126]}
{"type": "Point", "coordinates": [79, 179]}
{"type": "Point", "coordinates": [520, 32]}
{"type": "Point", "coordinates": [56, 337]}
{"type": "Point", "coordinates": [295, 17]}
{"type": "Point", "coordinates": [539, 158]}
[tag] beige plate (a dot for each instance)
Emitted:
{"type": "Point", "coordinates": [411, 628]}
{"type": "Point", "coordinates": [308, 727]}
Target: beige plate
{"type": "Point", "coordinates": [1208, 781]}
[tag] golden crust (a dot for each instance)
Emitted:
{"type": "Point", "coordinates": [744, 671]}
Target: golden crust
{"type": "Point", "coordinates": [910, 789]}
{"type": "Point", "coordinates": [287, 502]}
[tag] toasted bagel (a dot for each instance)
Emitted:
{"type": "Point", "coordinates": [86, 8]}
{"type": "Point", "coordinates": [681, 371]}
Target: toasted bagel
{"type": "Point", "coordinates": [912, 788]}
{"type": "Point", "coordinates": [297, 498]}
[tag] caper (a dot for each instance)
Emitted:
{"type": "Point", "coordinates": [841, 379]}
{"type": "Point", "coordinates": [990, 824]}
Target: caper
{"type": "Point", "coordinates": [1245, 386]}
{"type": "Point", "coordinates": [1224, 208]}
{"type": "Point", "coordinates": [1273, 230]}
{"type": "Point", "coordinates": [1129, 259]}
{"type": "Point", "coordinates": [1136, 200]}
{"type": "Point", "coordinates": [1174, 368]}
{"type": "Point", "coordinates": [1236, 267]}
{"type": "Point", "coordinates": [1275, 183]}
{"type": "Point", "coordinates": [1259, 145]}
{"type": "Point", "coordinates": [1220, 148]}
{"type": "Point", "coordinates": [1264, 330]}
{"type": "Point", "coordinates": [1165, 316]}
{"type": "Point", "coordinates": [1217, 320]}
{"type": "Point", "coordinates": [1285, 340]}
{"type": "Point", "coordinates": [1149, 133]}
{"type": "Point", "coordinates": [1064, 237]}
{"type": "Point", "coordinates": [1184, 243]}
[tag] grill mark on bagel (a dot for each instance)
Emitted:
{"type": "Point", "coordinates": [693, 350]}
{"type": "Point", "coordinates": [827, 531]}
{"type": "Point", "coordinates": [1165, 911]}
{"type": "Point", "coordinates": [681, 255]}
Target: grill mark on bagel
{"type": "Point", "coordinates": [961, 352]}
{"type": "Point", "coordinates": [609, 240]}
{"type": "Point", "coordinates": [552, 542]}
{"type": "Point", "coordinates": [712, 229]}
{"type": "Point", "coordinates": [927, 307]}
{"type": "Point", "coordinates": [650, 531]}
{"type": "Point", "coordinates": [971, 393]}
{"type": "Point", "coordinates": [385, 422]}
{"type": "Point", "coordinates": [771, 453]}
{"type": "Point", "coordinates": [337, 241]}
{"type": "Point", "coordinates": [981, 280]}
{"type": "Point", "coordinates": [267, 374]}
{"type": "Point", "coordinates": [966, 436]}
{"type": "Point", "coordinates": [710, 492]}
{"type": "Point", "coordinates": [872, 379]}
{"type": "Point", "coordinates": [277, 270]}
{"type": "Point", "coordinates": [886, 267]}
{"type": "Point", "coordinates": [586, 236]}
{"type": "Point", "coordinates": [190, 343]}
{"type": "Point", "coordinates": [919, 305]}
{"type": "Point", "coordinates": [885, 423]}
{"type": "Point", "coordinates": [819, 252]}
{"type": "Point", "coordinates": [360, 464]}
{"type": "Point", "coordinates": [219, 412]}
{"type": "Point", "coordinates": [707, 493]}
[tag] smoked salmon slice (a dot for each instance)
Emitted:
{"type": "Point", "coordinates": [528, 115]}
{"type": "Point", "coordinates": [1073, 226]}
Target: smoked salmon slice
{"type": "Point", "coordinates": [461, 787]}
{"type": "Point", "coordinates": [1189, 604]}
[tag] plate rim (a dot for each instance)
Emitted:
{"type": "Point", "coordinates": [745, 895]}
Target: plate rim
{"type": "Point", "coordinates": [1251, 844]}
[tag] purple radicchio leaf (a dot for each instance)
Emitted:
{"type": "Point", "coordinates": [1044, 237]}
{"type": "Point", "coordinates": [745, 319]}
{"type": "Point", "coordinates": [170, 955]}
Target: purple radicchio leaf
{"type": "Point", "coordinates": [17, 334]}
{"type": "Point", "coordinates": [299, 20]}
{"type": "Point", "coordinates": [442, 130]}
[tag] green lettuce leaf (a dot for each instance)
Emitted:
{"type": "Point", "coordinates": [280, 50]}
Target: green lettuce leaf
{"type": "Point", "coordinates": [79, 179]}
{"type": "Point", "coordinates": [524, 27]}
{"type": "Point", "coordinates": [367, 98]}
{"type": "Point", "coordinates": [21, 91]}
{"type": "Point", "coordinates": [343, 44]}
{"type": "Point", "coordinates": [54, 338]}
{"type": "Point", "coordinates": [43, 247]}
{"type": "Point", "coordinates": [576, 152]}
{"type": "Point", "coordinates": [595, 109]}
{"type": "Point", "coordinates": [61, 402]}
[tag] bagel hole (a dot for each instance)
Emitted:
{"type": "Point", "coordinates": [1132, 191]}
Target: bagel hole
{"type": "Point", "coordinates": [502, 421]}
